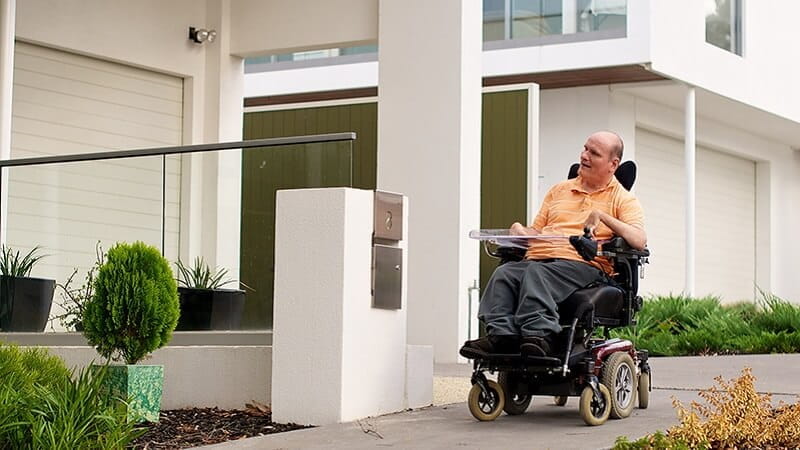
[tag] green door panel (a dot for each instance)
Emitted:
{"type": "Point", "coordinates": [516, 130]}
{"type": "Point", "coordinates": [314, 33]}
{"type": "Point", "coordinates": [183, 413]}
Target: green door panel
{"type": "Point", "coordinates": [264, 171]}
{"type": "Point", "coordinates": [504, 166]}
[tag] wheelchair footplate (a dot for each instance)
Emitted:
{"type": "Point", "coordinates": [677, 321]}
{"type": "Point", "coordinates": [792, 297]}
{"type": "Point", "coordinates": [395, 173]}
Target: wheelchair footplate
{"type": "Point", "coordinates": [505, 361]}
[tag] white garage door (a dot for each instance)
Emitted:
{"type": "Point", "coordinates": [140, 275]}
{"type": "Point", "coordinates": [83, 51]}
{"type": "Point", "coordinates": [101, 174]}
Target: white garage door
{"type": "Point", "coordinates": [65, 103]}
{"type": "Point", "coordinates": [725, 221]}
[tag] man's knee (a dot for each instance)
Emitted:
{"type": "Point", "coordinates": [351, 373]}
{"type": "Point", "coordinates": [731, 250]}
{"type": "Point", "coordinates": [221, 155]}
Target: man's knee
{"type": "Point", "coordinates": [506, 272]}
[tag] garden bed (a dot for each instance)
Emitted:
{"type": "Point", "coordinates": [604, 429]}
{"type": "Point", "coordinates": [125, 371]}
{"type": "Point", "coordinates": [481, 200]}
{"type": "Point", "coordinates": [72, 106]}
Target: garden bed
{"type": "Point", "coordinates": [186, 428]}
{"type": "Point", "coordinates": [685, 326]}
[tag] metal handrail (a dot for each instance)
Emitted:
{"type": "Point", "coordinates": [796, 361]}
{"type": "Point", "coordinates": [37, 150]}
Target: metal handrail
{"type": "Point", "coordinates": [156, 151]}
{"type": "Point", "coordinates": [164, 151]}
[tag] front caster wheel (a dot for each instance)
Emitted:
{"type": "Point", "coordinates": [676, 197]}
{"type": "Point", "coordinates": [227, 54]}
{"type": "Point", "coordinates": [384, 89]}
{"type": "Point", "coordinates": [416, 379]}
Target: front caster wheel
{"type": "Point", "coordinates": [644, 390]}
{"type": "Point", "coordinates": [515, 402]}
{"type": "Point", "coordinates": [594, 410]}
{"type": "Point", "coordinates": [560, 400]}
{"type": "Point", "coordinates": [486, 406]}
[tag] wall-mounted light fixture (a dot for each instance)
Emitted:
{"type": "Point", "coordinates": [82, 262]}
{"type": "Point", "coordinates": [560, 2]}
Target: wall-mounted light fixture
{"type": "Point", "coordinates": [200, 35]}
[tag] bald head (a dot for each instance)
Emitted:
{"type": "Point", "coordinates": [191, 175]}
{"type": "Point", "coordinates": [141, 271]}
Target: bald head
{"type": "Point", "coordinates": [600, 158]}
{"type": "Point", "coordinates": [610, 140]}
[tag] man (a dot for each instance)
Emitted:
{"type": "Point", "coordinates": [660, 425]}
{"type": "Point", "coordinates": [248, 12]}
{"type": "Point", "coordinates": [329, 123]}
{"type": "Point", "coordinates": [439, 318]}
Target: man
{"type": "Point", "coordinates": [520, 303]}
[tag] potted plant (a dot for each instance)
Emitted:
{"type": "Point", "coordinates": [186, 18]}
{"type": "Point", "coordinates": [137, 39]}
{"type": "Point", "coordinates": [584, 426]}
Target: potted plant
{"type": "Point", "coordinates": [205, 305]}
{"type": "Point", "coordinates": [73, 299]}
{"type": "Point", "coordinates": [24, 301]}
{"type": "Point", "coordinates": [132, 312]}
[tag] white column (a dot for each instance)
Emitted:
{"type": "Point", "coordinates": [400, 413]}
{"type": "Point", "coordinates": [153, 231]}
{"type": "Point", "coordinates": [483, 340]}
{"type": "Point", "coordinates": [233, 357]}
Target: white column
{"type": "Point", "coordinates": [335, 358]}
{"type": "Point", "coordinates": [690, 158]}
{"type": "Point", "coordinates": [7, 32]}
{"type": "Point", "coordinates": [429, 122]}
{"type": "Point", "coordinates": [215, 178]}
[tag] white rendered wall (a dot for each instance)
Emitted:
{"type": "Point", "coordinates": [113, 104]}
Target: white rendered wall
{"type": "Point", "coordinates": [763, 78]}
{"type": "Point", "coordinates": [311, 79]}
{"type": "Point", "coordinates": [335, 358]}
{"type": "Point", "coordinates": [568, 117]}
{"type": "Point", "coordinates": [429, 120]}
{"type": "Point", "coordinates": [198, 376]}
{"type": "Point", "coordinates": [283, 26]}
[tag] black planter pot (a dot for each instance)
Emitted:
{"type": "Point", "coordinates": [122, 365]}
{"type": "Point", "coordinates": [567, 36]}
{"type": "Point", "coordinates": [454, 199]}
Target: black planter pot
{"type": "Point", "coordinates": [207, 309]}
{"type": "Point", "coordinates": [25, 303]}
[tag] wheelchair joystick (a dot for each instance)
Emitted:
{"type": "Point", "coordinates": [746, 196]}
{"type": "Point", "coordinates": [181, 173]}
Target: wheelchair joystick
{"type": "Point", "coordinates": [585, 245]}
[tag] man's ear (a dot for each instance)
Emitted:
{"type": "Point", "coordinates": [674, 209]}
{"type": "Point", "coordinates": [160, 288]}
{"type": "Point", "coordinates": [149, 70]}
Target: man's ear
{"type": "Point", "coordinates": [614, 165]}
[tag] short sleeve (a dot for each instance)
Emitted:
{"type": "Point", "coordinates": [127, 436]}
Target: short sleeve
{"type": "Point", "coordinates": [541, 219]}
{"type": "Point", "coordinates": [630, 211]}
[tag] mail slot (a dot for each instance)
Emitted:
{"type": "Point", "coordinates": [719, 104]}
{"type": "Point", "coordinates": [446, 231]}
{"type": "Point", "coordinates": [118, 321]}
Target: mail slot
{"type": "Point", "coordinates": [387, 255]}
{"type": "Point", "coordinates": [388, 216]}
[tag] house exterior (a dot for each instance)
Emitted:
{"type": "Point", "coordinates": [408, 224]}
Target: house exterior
{"type": "Point", "coordinates": [462, 95]}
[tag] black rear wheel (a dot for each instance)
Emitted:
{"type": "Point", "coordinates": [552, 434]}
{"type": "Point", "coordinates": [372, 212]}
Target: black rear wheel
{"type": "Point", "coordinates": [517, 399]}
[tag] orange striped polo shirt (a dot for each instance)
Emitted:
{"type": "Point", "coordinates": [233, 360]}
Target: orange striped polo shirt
{"type": "Point", "coordinates": [565, 209]}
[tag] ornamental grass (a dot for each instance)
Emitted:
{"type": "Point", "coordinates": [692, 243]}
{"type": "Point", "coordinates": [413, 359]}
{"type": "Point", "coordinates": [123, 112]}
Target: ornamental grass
{"type": "Point", "coordinates": [733, 416]}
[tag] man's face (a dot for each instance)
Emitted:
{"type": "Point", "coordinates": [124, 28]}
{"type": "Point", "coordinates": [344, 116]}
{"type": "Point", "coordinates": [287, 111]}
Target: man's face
{"type": "Point", "coordinates": [598, 161]}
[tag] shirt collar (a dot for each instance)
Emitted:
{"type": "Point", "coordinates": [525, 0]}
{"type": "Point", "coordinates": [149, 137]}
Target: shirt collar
{"type": "Point", "coordinates": [576, 185]}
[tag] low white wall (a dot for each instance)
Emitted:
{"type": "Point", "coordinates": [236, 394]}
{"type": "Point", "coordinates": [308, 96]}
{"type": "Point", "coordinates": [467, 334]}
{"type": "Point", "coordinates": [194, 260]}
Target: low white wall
{"type": "Point", "coordinates": [227, 377]}
{"type": "Point", "coordinates": [335, 357]}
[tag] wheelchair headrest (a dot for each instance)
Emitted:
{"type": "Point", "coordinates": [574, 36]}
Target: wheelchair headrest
{"type": "Point", "coordinates": [626, 173]}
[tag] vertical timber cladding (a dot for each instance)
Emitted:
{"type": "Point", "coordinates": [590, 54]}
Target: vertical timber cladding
{"type": "Point", "coordinates": [65, 103]}
{"type": "Point", "coordinates": [504, 164]}
{"type": "Point", "coordinates": [264, 171]}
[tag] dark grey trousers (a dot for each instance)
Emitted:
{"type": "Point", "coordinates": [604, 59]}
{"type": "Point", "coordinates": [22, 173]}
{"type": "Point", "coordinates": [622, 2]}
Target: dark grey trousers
{"type": "Point", "coordinates": [522, 297]}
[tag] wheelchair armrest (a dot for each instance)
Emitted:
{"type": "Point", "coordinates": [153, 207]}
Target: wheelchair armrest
{"type": "Point", "coordinates": [506, 253]}
{"type": "Point", "coordinates": [620, 246]}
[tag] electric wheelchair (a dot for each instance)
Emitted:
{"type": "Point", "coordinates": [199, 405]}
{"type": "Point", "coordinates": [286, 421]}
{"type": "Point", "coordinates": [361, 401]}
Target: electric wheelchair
{"type": "Point", "coordinates": [606, 374]}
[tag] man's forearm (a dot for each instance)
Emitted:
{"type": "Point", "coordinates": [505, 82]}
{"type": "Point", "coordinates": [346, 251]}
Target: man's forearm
{"type": "Point", "coordinates": [521, 230]}
{"type": "Point", "coordinates": [636, 237]}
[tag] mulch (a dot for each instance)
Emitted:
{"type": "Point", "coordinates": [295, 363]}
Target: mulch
{"type": "Point", "coordinates": [186, 428]}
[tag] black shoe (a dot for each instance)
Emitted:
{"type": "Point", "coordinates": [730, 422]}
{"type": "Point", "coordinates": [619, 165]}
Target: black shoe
{"type": "Point", "coordinates": [536, 346]}
{"type": "Point", "coordinates": [480, 348]}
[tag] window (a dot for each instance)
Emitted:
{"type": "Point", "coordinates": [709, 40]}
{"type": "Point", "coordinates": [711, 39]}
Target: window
{"type": "Point", "coordinates": [494, 20]}
{"type": "Point", "coordinates": [599, 15]}
{"type": "Point", "coordinates": [505, 20]}
{"type": "Point", "coordinates": [724, 24]}
{"type": "Point", "coordinates": [312, 54]}
{"type": "Point", "coordinates": [533, 18]}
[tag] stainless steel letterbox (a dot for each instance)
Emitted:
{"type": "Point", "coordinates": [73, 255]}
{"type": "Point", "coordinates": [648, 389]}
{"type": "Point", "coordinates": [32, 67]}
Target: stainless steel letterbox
{"type": "Point", "coordinates": [387, 255]}
{"type": "Point", "coordinates": [388, 216]}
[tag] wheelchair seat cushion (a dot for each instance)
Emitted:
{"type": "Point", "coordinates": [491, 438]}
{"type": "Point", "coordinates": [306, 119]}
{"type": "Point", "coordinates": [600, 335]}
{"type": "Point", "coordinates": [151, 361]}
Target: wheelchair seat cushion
{"type": "Point", "coordinates": [607, 301]}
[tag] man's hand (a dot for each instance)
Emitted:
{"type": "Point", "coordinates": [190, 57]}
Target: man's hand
{"type": "Point", "coordinates": [517, 229]}
{"type": "Point", "coordinates": [592, 221]}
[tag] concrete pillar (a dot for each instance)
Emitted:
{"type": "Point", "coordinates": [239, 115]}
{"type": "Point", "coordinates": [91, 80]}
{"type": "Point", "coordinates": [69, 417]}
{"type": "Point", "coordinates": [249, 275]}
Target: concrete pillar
{"type": "Point", "coordinates": [7, 32]}
{"type": "Point", "coordinates": [335, 358]}
{"type": "Point", "coordinates": [429, 122]}
{"type": "Point", "coordinates": [690, 149]}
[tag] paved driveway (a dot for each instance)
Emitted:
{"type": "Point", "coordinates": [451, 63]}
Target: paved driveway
{"type": "Point", "coordinates": [544, 426]}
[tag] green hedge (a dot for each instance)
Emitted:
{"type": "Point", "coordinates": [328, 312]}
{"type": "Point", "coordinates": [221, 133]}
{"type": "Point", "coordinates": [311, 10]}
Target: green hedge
{"type": "Point", "coordinates": [135, 306]}
{"type": "Point", "coordinates": [680, 326]}
{"type": "Point", "coordinates": [42, 406]}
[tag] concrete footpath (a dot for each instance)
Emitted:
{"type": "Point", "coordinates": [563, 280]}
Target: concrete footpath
{"type": "Point", "coordinates": [544, 426]}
